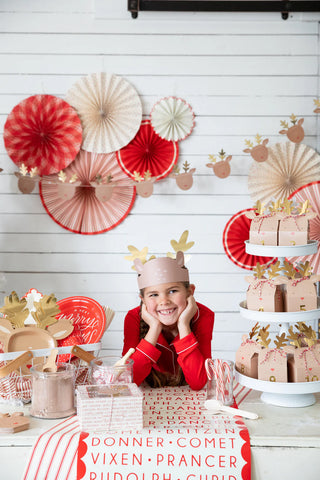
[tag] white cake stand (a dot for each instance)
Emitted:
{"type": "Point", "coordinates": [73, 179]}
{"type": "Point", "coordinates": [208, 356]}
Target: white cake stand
{"type": "Point", "coordinates": [298, 394]}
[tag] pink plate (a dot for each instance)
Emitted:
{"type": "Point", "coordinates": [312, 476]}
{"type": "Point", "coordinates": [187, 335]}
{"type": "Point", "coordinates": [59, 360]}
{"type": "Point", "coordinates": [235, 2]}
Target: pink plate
{"type": "Point", "coordinates": [87, 315]}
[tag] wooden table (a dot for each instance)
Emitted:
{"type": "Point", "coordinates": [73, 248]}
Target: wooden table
{"type": "Point", "coordinates": [285, 442]}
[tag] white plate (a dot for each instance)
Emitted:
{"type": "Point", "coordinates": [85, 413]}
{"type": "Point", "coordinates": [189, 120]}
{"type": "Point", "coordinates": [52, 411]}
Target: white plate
{"type": "Point", "coordinates": [282, 394]}
{"type": "Point", "coordinates": [281, 251]}
{"type": "Point", "coordinates": [279, 317]}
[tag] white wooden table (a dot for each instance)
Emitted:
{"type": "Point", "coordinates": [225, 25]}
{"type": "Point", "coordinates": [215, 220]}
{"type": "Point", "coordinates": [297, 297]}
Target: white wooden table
{"type": "Point", "coordinates": [285, 442]}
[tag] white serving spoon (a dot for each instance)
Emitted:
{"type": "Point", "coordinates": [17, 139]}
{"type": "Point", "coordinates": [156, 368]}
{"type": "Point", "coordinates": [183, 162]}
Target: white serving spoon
{"type": "Point", "coordinates": [215, 406]}
{"type": "Point", "coordinates": [125, 357]}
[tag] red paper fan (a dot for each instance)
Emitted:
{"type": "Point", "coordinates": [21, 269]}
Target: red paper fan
{"type": "Point", "coordinates": [147, 151]}
{"type": "Point", "coordinates": [235, 233]}
{"type": "Point", "coordinates": [85, 213]}
{"type": "Point", "coordinates": [43, 131]}
{"type": "Point", "coordinates": [311, 192]}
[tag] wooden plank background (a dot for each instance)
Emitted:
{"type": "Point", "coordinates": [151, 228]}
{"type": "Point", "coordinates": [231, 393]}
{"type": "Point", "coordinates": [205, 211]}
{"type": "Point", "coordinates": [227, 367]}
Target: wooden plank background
{"type": "Point", "coordinates": [241, 73]}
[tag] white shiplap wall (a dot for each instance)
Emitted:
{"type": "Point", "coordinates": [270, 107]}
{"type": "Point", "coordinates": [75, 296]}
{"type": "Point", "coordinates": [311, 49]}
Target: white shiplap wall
{"type": "Point", "coordinates": [241, 74]}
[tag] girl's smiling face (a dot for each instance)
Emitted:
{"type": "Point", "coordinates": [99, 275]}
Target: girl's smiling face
{"type": "Point", "coordinates": [166, 301]}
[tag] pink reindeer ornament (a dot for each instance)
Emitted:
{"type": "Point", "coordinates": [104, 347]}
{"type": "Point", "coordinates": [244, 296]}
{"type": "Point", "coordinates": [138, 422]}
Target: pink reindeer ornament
{"type": "Point", "coordinates": [222, 168]}
{"type": "Point", "coordinates": [317, 104]}
{"type": "Point", "coordinates": [103, 187]}
{"type": "Point", "coordinates": [259, 152]}
{"type": "Point", "coordinates": [144, 184]}
{"type": "Point", "coordinates": [295, 133]}
{"type": "Point", "coordinates": [184, 180]}
{"type": "Point", "coordinates": [27, 179]}
{"type": "Point", "coordinates": [265, 294]}
{"type": "Point", "coordinates": [67, 186]}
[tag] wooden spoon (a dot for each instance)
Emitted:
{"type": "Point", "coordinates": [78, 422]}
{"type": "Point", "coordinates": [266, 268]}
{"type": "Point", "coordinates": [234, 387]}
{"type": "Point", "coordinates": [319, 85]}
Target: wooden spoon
{"type": "Point", "coordinates": [82, 354]}
{"type": "Point", "coordinates": [125, 357]}
{"type": "Point", "coordinates": [16, 363]}
{"type": "Point", "coordinates": [215, 406]}
{"type": "Point", "coordinates": [50, 365]}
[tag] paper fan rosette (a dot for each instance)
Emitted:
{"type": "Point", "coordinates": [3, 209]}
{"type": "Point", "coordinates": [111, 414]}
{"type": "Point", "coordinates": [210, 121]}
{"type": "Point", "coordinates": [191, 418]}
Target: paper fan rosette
{"type": "Point", "coordinates": [288, 167]}
{"type": "Point", "coordinates": [85, 213]}
{"type": "Point", "coordinates": [43, 131]}
{"type": "Point", "coordinates": [110, 111]}
{"type": "Point", "coordinates": [235, 233]}
{"type": "Point", "coordinates": [148, 152]}
{"type": "Point", "coordinates": [310, 192]}
{"type": "Point", "coordinates": [172, 119]}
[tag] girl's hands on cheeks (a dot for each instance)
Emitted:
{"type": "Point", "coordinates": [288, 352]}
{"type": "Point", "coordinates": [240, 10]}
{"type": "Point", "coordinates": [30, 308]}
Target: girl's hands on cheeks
{"type": "Point", "coordinates": [186, 317]}
{"type": "Point", "coordinates": [154, 324]}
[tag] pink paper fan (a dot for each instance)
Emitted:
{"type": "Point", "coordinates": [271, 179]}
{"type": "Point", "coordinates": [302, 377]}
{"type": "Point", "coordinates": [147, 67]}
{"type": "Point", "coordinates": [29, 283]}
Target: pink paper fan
{"type": "Point", "coordinates": [85, 213]}
{"type": "Point", "coordinates": [147, 151]}
{"type": "Point", "coordinates": [311, 192]}
{"type": "Point", "coordinates": [43, 131]}
{"type": "Point", "coordinates": [235, 233]}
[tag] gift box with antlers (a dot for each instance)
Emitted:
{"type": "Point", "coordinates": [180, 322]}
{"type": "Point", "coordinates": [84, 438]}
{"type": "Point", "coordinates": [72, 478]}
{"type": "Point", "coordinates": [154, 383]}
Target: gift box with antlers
{"type": "Point", "coordinates": [272, 362]}
{"type": "Point", "coordinates": [280, 223]}
{"type": "Point", "coordinates": [294, 224]}
{"type": "Point", "coordinates": [300, 289]}
{"type": "Point", "coordinates": [264, 224]}
{"type": "Point", "coordinates": [265, 294]}
{"type": "Point", "coordinates": [303, 354]}
{"type": "Point", "coordinates": [247, 354]}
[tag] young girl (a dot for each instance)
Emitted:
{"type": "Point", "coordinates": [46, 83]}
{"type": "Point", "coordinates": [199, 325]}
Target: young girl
{"type": "Point", "coordinates": [170, 331]}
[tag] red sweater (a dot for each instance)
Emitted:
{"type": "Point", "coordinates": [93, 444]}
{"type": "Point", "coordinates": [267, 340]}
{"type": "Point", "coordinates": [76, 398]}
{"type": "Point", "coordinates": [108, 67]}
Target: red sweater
{"type": "Point", "coordinates": [190, 352]}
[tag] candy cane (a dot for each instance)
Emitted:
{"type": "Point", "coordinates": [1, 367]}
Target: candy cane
{"type": "Point", "coordinates": [220, 381]}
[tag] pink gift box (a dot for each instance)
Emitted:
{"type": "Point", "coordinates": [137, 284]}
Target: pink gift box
{"type": "Point", "coordinates": [113, 407]}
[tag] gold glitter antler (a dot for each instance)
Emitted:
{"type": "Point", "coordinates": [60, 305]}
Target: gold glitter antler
{"type": "Point", "coordinates": [274, 270]}
{"type": "Point", "coordinates": [254, 331]}
{"type": "Point", "coordinates": [289, 270]}
{"type": "Point", "coordinates": [281, 340]}
{"type": "Point", "coordinates": [305, 269]}
{"type": "Point", "coordinates": [263, 336]}
{"type": "Point", "coordinates": [181, 245]}
{"type": "Point", "coordinates": [259, 270]}
{"type": "Point", "coordinates": [135, 253]}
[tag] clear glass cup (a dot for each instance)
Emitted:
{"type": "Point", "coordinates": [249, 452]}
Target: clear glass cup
{"type": "Point", "coordinates": [220, 386]}
{"type": "Point", "coordinates": [53, 392]}
{"type": "Point", "coordinates": [103, 371]}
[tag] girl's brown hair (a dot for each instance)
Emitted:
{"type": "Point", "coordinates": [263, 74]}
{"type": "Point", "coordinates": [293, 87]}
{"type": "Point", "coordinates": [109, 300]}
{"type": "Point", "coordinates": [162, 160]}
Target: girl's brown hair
{"type": "Point", "coordinates": [155, 378]}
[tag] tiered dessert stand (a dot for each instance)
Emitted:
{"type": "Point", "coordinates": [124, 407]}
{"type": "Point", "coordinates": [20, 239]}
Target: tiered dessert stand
{"type": "Point", "coordinates": [298, 394]}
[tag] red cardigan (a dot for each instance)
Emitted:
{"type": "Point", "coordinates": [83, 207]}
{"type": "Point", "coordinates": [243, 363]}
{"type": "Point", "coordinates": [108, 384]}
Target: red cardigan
{"type": "Point", "coordinates": [190, 352]}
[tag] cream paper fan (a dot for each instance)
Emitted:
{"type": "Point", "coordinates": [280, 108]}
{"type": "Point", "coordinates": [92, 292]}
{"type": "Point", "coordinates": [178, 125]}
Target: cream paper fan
{"type": "Point", "coordinates": [109, 109]}
{"type": "Point", "coordinates": [172, 119]}
{"type": "Point", "coordinates": [288, 167]}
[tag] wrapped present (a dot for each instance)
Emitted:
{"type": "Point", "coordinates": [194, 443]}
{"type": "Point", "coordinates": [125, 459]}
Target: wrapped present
{"type": "Point", "coordinates": [303, 354]}
{"type": "Point", "coordinates": [294, 224]}
{"type": "Point", "coordinates": [272, 362]}
{"type": "Point", "coordinates": [300, 292]}
{"type": "Point", "coordinates": [112, 407]}
{"type": "Point", "coordinates": [264, 228]}
{"type": "Point", "coordinates": [265, 294]}
{"type": "Point", "coordinates": [247, 357]}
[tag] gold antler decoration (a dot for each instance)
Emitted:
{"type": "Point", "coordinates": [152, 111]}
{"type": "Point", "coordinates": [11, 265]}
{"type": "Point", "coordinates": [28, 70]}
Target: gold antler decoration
{"type": "Point", "coordinates": [254, 331]}
{"type": "Point", "coordinates": [263, 336]}
{"type": "Point", "coordinates": [289, 270]}
{"type": "Point", "coordinates": [46, 311]}
{"type": "Point", "coordinates": [294, 337]}
{"type": "Point", "coordinates": [274, 270]}
{"type": "Point", "coordinates": [281, 340]}
{"type": "Point", "coordinates": [305, 269]}
{"type": "Point", "coordinates": [15, 310]}
{"type": "Point", "coordinates": [304, 207]}
{"type": "Point", "coordinates": [287, 206]}
{"type": "Point", "coordinates": [259, 207]}
{"type": "Point", "coordinates": [259, 270]}
{"type": "Point", "coordinates": [135, 253]}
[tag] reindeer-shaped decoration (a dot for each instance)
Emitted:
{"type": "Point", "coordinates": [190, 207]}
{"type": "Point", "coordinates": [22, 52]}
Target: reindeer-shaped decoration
{"type": "Point", "coordinates": [247, 354]}
{"type": "Point", "coordinates": [184, 180]}
{"type": "Point", "coordinates": [295, 133]}
{"type": "Point", "coordinates": [264, 294]}
{"type": "Point", "coordinates": [67, 185]}
{"type": "Point", "coordinates": [264, 224]}
{"type": "Point", "coordinates": [317, 104]}
{"type": "Point", "coordinates": [27, 179]}
{"type": "Point", "coordinates": [222, 168]}
{"type": "Point", "coordinates": [294, 224]}
{"type": "Point", "coordinates": [15, 335]}
{"type": "Point", "coordinates": [259, 152]}
{"type": "Point", "coordinates": [303, 354]}
{"type": "Point", "coordinates": [144, 184]}
{"type": "Point", "coordinates": [300, 293]}
{"type": "Point", "coordinates": [272, 362]}
{"type": "Point", "coordinates": [103, 187]}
